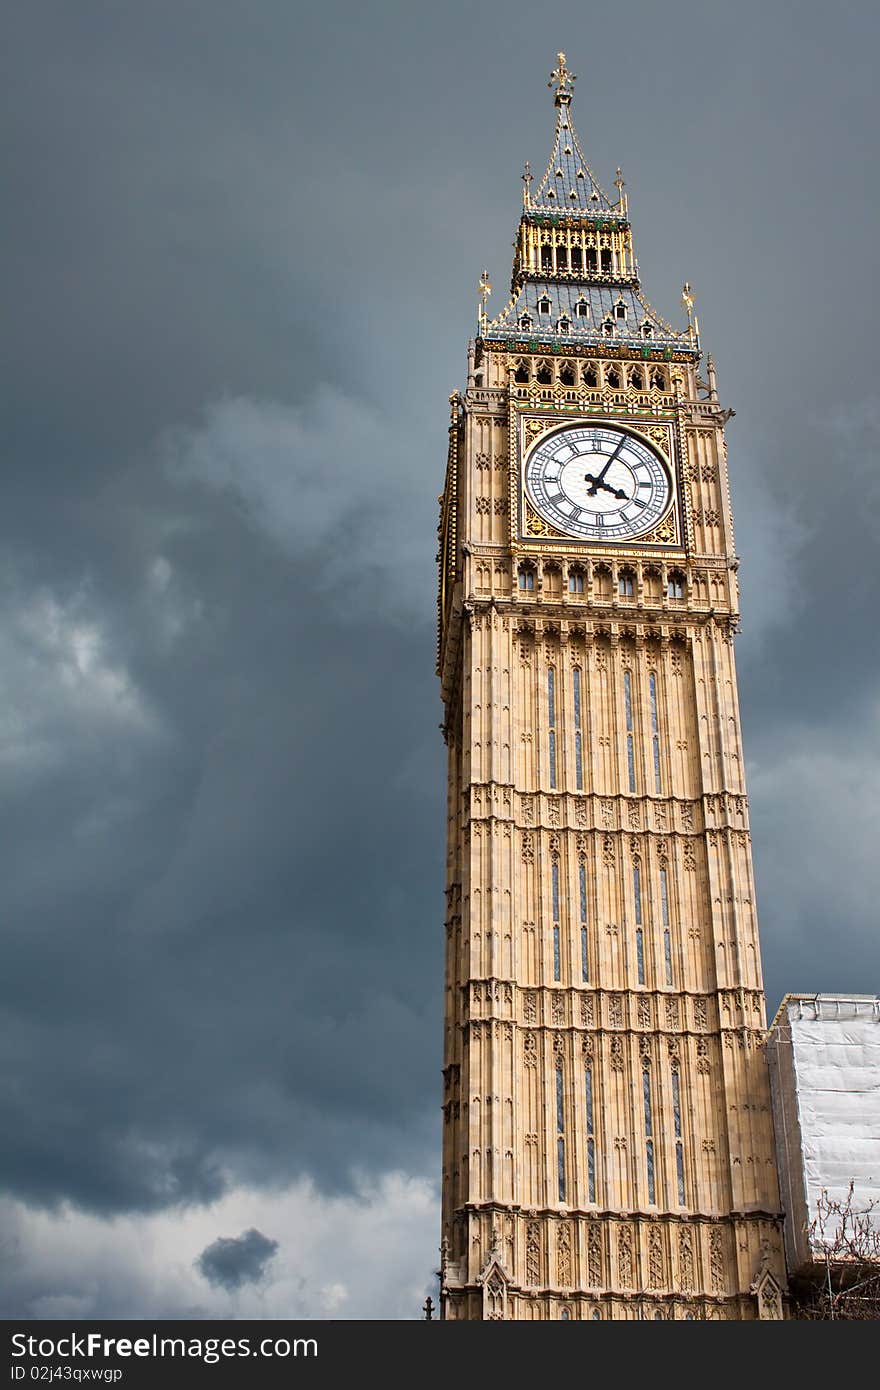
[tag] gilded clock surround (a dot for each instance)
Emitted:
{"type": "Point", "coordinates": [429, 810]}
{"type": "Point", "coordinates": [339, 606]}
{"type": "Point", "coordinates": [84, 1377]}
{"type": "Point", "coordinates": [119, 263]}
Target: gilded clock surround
{"type": "Point", "coordinates": [600, 919]}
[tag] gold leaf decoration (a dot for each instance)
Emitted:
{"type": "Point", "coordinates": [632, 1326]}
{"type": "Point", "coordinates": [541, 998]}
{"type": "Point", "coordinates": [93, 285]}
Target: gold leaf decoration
{"type": "Point", "coordinates": [537, 526]}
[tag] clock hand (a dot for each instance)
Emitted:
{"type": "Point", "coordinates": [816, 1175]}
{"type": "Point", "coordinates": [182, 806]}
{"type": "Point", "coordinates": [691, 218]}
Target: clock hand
{"type": "Point", "coordinates": [606, 487]}
{"type": "Point", "coordinates": [598, 482]}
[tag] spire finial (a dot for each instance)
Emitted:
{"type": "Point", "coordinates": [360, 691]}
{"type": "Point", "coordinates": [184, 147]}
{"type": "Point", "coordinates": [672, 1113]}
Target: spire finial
{"type": "Point", "coordinates": [485, 289]}
{"type": "Point", "coordinates": [562, 79]}
{"type": "Point", "coordinates": [526, 178]}
{"type": "Point", "coordinates": [687, 299]}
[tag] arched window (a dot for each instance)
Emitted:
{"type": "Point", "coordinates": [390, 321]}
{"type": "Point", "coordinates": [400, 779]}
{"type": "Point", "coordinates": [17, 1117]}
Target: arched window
{"type": "Point", "coordinates": [676, 584]}
{"type": "Point", "coordinates": [521, 374]}
{"type": "Point", "coordinates": [562, 258]}
{"type": "Point", "coordinates": [566, 374]}
{"type": "Point", "coordinates": [575, 581]}
{"type": "Point", "coordinates": [590, 375]}
{"type": "Point", "coordinates": [658, 379]}
{"type": "Point", "coordinates": [546, 258]}
{"type": "Point", "coordinates": [612, 377]}
{"type": "Point", "coordinates": [606, 261]}
{"type": "Point", "coordinates": [591, 258]}
{"type": "Point", "coordinates": [545, 374]}
{"type": "Point", "coordinates": [626, 584]}
{"type": "Point", "coordinates": [526, 577]}
{"type": "Point", "coordinates": [636, 380]}
{"type": "Point", "coordinates": [602, 581]}
{"type": "Point", "coordinates": [577, 259]}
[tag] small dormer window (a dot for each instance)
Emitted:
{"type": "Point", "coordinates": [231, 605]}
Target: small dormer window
{"type": "Point", "coordinates": [573, 195]}
{"type": "Point", "coordinates": [580, 173]}
{"type": "Point", "coordinates": [608, 328]}
{"type": "Point", "coordinates": [647, 329]}
{"type": "Point", "coordinates": [582, 309]}
{"type": "Point", "coordinates": [620, 310]}
{"type": "Point", "coordinates": [564, 324]}
{"type": "Point", "coordinates": [550, 194]}
{"type": "Point", "coordinates": [525, 321]}
{"type": "Point", "coordinates": [594, 196]}
{"type": "Point", "coordinates": [544, 305]}
{"type": "Point", "coordinates": [559, 173]}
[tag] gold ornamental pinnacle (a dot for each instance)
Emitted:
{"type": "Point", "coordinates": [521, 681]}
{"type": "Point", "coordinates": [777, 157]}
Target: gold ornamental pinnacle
{"type": "Point", "coordinates": [562, 79]}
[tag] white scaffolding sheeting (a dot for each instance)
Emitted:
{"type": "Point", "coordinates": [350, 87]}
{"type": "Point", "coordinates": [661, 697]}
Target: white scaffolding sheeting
{"type": "Point", "coordinates": [824, 1057]}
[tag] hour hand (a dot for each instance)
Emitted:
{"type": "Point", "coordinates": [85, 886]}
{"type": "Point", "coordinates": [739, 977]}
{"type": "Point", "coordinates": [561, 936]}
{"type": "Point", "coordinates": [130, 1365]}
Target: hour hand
{"type": "Point", "coordinates": [606, 487]}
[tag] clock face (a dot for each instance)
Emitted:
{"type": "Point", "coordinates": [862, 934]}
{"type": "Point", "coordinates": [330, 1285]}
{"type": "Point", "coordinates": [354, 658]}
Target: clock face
{"type": "Point", "coordinates": [597, 482]}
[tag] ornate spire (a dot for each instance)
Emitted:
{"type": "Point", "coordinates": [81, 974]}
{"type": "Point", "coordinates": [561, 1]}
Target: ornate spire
{"type": "Point", "coordinates": [568, 184]}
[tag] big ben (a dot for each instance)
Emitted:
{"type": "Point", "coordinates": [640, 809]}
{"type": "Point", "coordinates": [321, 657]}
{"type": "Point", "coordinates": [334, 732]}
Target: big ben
{"type": "Point", "coordinates": [608, 1145]}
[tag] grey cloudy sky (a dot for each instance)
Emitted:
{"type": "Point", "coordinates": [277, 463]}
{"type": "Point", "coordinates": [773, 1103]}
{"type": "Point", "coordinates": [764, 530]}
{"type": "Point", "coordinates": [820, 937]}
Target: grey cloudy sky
{"type": "Point", "coordinates": [242, 243]}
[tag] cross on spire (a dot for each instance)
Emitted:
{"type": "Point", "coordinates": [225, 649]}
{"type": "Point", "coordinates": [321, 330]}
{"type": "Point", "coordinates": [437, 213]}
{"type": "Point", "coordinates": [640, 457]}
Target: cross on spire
{"type": "Point", "coordinates": [562, 78]}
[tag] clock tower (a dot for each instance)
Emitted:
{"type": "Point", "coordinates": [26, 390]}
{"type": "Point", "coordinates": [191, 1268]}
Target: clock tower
{"type": "Point", "coordinates": [608, 1143]}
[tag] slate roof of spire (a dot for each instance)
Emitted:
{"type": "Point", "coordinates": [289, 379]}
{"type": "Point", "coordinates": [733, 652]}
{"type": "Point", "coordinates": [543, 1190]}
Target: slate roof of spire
{"type": "Point", "coordinates": [601, 301]}
{"type": "Point", "coordinates": [568, 183]}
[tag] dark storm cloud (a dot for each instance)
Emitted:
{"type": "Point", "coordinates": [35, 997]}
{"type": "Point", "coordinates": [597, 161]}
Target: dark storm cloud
{"type": "Point", "coordinates": [235, 1260]}
{"type": "Point", "coordinates": [241, 257]}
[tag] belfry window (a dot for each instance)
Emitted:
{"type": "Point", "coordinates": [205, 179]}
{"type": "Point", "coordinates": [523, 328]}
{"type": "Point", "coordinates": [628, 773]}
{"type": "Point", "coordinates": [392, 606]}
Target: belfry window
{"type": "Point", "coordinates": [521, 375]}
{"type": "Point", "coordinates": [590, 376]}
{"type": "Point", "coordinates": [562, 258]}
{"type": "Point", "coordinates": [545, 374]}
{"type": "Point", "coordinates": [577, 259]}
{"type": "Point", "coordinates": [546, 258]}
{"type": "Point", "coordinates": [658, 379]}
{"type": "Point", "coordinates": [636, 380]}
{"type": "Point", "coordinates": [612, 378]}
{"type": "Point", "coordinates": [606, 261]}
{"type": "Point", "coordinates": [591, 258]}
{"type": "Point", "coordinates": [566, 374]}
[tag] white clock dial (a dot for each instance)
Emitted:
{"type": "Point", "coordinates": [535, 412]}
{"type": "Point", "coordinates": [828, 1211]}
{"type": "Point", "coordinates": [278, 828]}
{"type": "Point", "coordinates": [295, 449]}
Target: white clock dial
{"type": "Point", "coordinates": [597, 482]}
